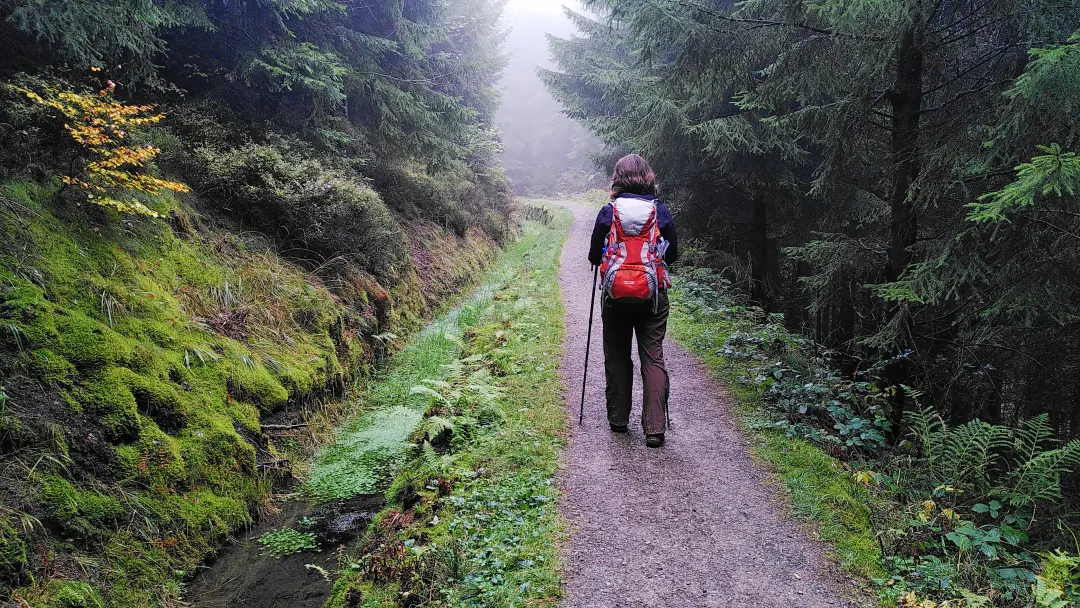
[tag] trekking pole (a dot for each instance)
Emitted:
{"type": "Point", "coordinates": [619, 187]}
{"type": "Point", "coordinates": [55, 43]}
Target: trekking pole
{"type": "Point", "coordinates": [588, 340]}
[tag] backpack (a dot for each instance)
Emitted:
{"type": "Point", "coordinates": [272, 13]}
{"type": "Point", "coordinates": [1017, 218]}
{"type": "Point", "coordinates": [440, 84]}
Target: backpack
{"type": "Point", "coordinates": [633, 264]}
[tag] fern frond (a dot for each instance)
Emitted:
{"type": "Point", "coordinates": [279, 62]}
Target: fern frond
{"type": "Point", "coordinates": [1034, 435]}
{"type": "Point", "coordinates": [927, 429]}
{"type": "Point", "coordinates": [970, 450]}
{"type": "Point", "coordinates": [429, 392]}
{"type": "Point", "coordinates": [435, 426]}
{"type": "Point", "coordinates": [1039, 477]}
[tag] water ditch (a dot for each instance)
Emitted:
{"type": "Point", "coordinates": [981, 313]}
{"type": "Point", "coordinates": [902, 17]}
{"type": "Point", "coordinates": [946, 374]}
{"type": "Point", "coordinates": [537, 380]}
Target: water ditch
{"type": "Point", "coordinates": [345, 488]}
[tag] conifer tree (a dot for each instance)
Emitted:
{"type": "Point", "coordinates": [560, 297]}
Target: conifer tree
{"type": "Point", "coordinates": [837, 145]}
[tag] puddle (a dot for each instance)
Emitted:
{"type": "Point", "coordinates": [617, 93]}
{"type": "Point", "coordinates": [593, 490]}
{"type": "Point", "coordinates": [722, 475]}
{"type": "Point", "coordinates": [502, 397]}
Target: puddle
{"type": "Point", "coordinates": [244, 576]}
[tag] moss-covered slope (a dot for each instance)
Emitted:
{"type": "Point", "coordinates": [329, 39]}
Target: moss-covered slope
{"type": "Point", "coordinates": [138, 363]}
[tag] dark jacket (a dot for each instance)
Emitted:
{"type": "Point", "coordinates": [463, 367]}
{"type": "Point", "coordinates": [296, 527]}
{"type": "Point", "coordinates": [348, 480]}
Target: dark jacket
{"type": "Point", "coordinates": [603, 226]}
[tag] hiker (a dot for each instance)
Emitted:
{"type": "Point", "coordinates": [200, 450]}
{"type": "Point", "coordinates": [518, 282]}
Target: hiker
{"type": "Point", "coordinates": [632, 243]}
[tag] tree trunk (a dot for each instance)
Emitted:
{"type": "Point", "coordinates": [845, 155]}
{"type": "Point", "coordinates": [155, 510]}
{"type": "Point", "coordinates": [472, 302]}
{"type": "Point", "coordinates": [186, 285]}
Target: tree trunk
{"type": "Point", "coordinates": [761, 251]}
{"type": "Point", "coordinates": [906, 99]}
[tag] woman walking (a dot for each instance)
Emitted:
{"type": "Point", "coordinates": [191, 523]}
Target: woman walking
{"type": "Point", "coordinates": [632, 243]}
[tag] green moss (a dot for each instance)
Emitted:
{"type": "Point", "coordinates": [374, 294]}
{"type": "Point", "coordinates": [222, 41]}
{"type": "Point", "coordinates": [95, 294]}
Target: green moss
{"type": "Point", "coordinates": [88, 343]}
{"type": "Point", "coordinates": [245, 415]}
{"type": "Point", "coordinates": [116, 322]}
{"type": "Point", "coordinates": [51, 367]}
{"type": "Point", "coordinates": [13, 555]}
{"type": "Point", "coordinates": [107, 394]}
{"type": "Point", "coordinates": [27, 314]}
{"type": "Point", "coordinates": [136, 575]}
{"type": "Point", "coordinates": [69, 594]}
{"type": "Point", "coordinates": [253, 383]}
{"type": "Point", "coordinates": [83, 513]}
{"type": "Point", "coordinates": [155, 460]}
{"type": "Point", "coordinates": [214, 514]}
{"type": "Point", "coordinates": [156, 398]}
{"type": "Point", "coordinates": [215, 452]}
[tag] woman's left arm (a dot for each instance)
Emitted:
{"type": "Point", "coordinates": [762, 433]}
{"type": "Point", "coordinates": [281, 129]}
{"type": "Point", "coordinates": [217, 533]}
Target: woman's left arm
{"type": "Point", "coordinates": [667, 230]}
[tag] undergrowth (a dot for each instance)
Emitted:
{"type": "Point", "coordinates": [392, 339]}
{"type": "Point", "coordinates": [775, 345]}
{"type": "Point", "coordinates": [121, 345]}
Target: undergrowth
{"type": "Point", "coordinates": [471, 518]}
{"type": "Point", "coordinates": [287, 541]}
{"type": "Point", "coordinates": [943, 516]}
{"type": "Point", "coordinates": [140, 362]}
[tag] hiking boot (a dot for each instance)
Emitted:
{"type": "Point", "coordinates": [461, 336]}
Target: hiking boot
{"type": "Point", "coordinates": [619, 428]}
{"type": "Point", "coordinates": [654, 441]}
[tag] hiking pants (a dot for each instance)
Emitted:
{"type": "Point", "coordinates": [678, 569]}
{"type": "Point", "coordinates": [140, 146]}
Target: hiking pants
{"type": "Point", "coordinates": [621, 322]}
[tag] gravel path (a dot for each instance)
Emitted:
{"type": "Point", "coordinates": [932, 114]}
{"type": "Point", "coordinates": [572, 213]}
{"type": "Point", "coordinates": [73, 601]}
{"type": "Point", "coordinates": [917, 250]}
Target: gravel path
{"type": "Point", "coordinates": [692, 524]}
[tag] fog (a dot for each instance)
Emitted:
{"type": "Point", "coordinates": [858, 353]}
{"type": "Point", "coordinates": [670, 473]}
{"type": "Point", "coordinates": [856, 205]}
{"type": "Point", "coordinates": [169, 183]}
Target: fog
{"type": "Point", "coordinates": [544, 152]}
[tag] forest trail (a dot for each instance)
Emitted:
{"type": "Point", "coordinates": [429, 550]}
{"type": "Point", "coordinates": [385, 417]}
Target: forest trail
{"type": "Point", "coordinates": [692, 524]}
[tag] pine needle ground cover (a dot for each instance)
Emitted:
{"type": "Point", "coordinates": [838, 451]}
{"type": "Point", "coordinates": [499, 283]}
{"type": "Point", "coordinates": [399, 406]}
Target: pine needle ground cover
{"type": "Point", "coordinates": [942, 515]}
{"type": "Point", "coordinates": [471, 516]}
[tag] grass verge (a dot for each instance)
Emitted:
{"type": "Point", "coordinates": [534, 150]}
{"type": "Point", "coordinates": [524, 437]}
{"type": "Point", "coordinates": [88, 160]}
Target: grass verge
{"type": "Point", "coordinates": [822, 490]}
{"type": "Point", "coordinates": [471, 516]}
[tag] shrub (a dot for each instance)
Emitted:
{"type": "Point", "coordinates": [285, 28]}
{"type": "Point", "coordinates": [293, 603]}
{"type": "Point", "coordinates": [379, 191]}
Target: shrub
{"type": "Point", "coordinates": [114, 176]}
{"type": "Point", "coordinates": [310, 207]}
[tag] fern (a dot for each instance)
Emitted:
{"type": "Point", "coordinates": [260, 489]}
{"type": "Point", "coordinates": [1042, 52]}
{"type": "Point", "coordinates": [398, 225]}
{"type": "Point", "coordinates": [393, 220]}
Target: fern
{"type": "Point", "coordinates": [429, 392]}
{"type": "Point", "coordinates": [1033, 436]}
{"type": "Point", "coordinates": [970, 450]}
{"type": "Point", "coordinates": [436, 426]}
{"type": "Point", "coordinates": [1021, 466]}
{"type": "Point", "coordinates": [926, 428]}
{"type": "Point", "coordinates": [1038, 478]}
{"type": "Point", "coordinates": [1047, 596]}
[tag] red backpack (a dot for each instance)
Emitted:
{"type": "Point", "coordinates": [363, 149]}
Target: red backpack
{"type": "Point", "coordinates": [633, 266]}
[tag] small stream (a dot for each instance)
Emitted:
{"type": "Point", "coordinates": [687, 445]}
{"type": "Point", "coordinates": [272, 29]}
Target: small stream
{"type": "Point", "coordinates": [345, 490]}
{"type": "Point", "coordinates": [244, 575]}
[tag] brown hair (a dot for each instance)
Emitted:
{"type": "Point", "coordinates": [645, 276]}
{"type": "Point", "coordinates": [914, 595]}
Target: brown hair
{"type": "Point", "coordinates": [632, 176]}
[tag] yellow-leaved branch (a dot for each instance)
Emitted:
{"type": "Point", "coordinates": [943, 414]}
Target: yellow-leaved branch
{"type": "Point", "coordinates": [115, 174]}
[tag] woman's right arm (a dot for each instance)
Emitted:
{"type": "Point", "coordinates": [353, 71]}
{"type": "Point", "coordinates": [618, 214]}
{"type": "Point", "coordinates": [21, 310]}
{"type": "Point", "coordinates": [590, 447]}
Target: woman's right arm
{"type": "Point", "coordinates": [599, 235]}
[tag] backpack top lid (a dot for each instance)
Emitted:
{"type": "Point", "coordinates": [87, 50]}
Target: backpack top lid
{"type": "Point", "coordinates": [633, 213]}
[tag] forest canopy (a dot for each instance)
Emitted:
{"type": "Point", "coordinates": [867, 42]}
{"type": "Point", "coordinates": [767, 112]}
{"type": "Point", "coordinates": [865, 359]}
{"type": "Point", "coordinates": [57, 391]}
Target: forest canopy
{"type": "Point", "coordinates": [380, 91]}
{"type": "Point", "coordinates": [898, 178]}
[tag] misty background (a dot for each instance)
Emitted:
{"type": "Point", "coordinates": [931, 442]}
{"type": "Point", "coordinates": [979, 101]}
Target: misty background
{"type": "Point", "coordinates": [544, 152]}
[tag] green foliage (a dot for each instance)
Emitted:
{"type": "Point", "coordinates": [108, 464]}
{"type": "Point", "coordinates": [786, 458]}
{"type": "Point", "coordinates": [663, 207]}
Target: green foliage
{"type": "Point", "coordinates": [471, 518]}
{"type": "Point", "coordinates": [82, 513]}
{"type": "Point", "coordinates": [1058, 585]}
{"type": "Point", "coordinates": [287, 541]}
{"type": "Point", "coordinates": [70, 594]}
{"type": "Point", "coordinates": [952, 512]}
{"type": "Point", "coordinates": [283, 187]}
{"type": "Point", "coordinates": [1055, 173]}
{"type": "Point", "coordinates": [898, 180]}
{"type": "Point", "coordinates": [810, 399]}
{"type": "Point", "coordinates": [298, 68]}
{"type": "Point", "coordinates": [13, 551]}
{"type": "Point", "coordinates": [137, 430]}
{"type": "Point", "coordinates": [114, 175]}
{"type": "Point", "coordinates": [89, 33]}
{"type": "Point", "coordinates": [142, 355]}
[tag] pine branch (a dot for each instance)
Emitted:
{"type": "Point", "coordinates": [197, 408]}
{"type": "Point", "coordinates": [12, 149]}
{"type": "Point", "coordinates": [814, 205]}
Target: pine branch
{"type": "Point", "coordinates": [769, 23]}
